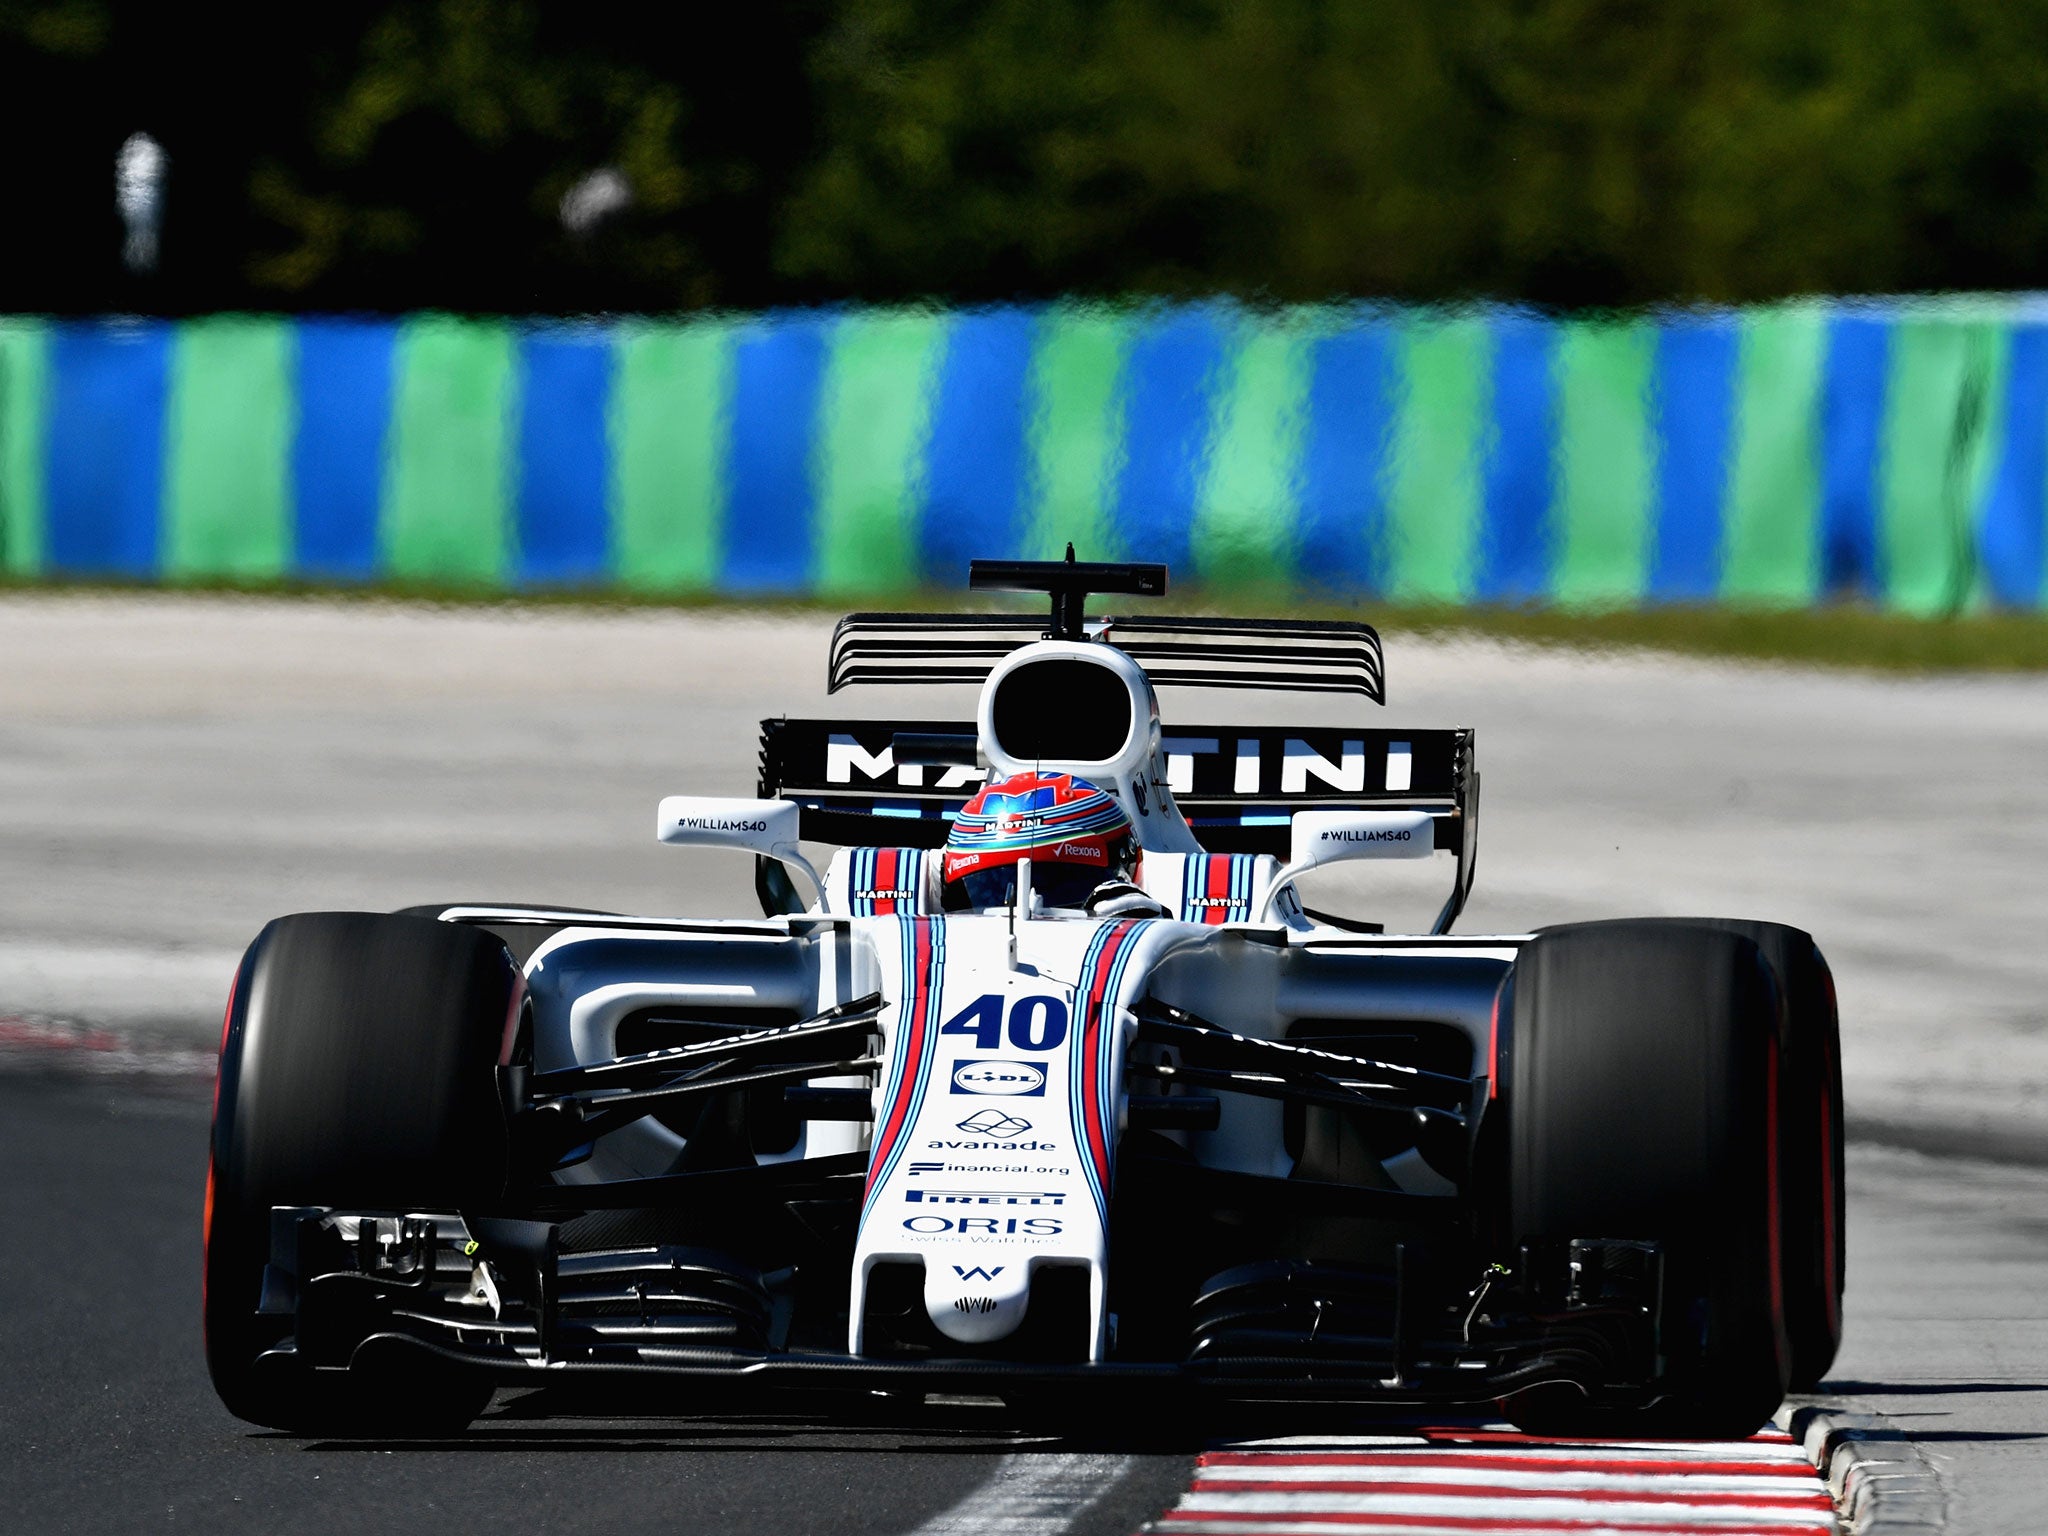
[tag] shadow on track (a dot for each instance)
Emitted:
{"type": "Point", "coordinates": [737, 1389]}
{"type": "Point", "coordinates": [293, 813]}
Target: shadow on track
{"type": "Point", "coordinates": [1925, 1388]}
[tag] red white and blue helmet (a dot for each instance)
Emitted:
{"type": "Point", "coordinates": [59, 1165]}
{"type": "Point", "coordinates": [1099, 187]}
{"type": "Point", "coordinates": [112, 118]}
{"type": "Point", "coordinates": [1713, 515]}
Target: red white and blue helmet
{"type": "Point", "coordinates": [1075, 835]}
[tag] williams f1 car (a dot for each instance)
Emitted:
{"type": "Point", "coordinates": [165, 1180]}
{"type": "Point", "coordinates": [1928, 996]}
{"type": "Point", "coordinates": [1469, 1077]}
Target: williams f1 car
{"type": "Point", "coordinates": [1048, 1086]}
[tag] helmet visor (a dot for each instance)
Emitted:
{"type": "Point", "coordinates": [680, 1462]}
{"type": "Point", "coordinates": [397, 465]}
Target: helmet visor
{"type": "Point", "coordinates": [1057, 885]}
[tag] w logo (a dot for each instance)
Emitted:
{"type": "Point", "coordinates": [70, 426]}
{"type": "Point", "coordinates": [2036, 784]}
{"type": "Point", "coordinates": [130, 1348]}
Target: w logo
{"type": "Point", "coordinates": [977, 1272]}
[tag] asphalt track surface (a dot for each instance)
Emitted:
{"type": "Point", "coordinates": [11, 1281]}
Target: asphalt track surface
{"type": "Point", "coordinates": [173, 771]}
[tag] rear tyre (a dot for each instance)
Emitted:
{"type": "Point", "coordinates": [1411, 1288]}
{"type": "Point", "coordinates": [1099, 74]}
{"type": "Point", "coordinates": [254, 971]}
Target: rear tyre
{"type": "Point", "coordinates": [356, 1071]}
{"type": "Point", "coordinates": [1640, 1081]}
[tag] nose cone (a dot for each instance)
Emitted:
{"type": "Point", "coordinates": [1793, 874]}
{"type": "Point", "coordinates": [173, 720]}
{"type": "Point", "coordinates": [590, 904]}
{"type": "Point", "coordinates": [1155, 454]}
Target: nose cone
{"type": "Point", "coordinates": [976, 1303]}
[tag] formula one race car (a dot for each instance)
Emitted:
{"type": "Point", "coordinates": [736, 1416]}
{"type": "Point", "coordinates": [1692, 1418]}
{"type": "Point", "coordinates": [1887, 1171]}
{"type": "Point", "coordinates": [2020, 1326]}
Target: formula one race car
{"type": "Point", "coordinates": [1049, 1088]}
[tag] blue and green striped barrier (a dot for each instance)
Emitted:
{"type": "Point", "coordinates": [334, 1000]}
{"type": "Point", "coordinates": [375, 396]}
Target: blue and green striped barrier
{"type": "Point", "coordinates": [1780, 456]}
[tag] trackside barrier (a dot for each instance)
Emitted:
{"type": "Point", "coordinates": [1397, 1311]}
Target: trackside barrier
{"type": "Point", "coordinates": [1777, 456]}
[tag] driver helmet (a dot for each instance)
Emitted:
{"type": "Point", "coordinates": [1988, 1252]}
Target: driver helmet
{"type": "Point", "coordinates": [1075, 835]}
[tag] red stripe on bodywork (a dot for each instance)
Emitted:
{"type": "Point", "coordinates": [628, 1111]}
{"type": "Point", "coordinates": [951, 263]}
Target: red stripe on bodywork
{"type": "Point", "coordinates": [910, 1048]}
{"type": "Point", "coordinates": [885, 880]}
{"type": "Point", "coordinates": [1217, 887]}
{"type": "Point", "coordinates": [1091, 1054]}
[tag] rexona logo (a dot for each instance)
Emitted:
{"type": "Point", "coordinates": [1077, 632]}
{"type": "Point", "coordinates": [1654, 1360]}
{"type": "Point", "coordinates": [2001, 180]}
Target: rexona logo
{"type": "Point", "coordinates": [720, 824]}
{"type": "Point", "coordinates": [1363, 835]}
{"type": "Point", "coordinates": [999, 1079]}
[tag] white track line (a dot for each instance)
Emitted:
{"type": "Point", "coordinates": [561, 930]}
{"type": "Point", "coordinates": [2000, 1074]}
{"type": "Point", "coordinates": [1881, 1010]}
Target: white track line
{"type": "Point", "coordinates": [1031, 1494]}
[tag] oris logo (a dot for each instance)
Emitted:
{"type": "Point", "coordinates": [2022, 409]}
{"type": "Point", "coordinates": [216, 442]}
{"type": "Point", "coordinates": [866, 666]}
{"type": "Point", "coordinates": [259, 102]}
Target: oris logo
{"type": "Point", "coordinates": [984, 1228]}
{"type": "Point", "coordinates": [999, 1079]}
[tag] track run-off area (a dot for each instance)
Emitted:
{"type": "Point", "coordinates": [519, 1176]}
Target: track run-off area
{"type": "Point", "coordinates": [176, 770]}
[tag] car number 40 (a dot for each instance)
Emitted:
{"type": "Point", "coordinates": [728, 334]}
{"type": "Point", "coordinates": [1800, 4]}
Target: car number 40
{"type": "Point", "coordinates": [1037, 1023]}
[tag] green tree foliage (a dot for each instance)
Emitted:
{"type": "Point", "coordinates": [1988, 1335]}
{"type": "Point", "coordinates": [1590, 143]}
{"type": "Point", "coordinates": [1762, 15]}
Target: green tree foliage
{"type": "Point", "coordinates": [414, 153]}
{"type": "Point", "coordinates": [401, 154]}
{"type": "Point", "coordinates": [1568, 151]}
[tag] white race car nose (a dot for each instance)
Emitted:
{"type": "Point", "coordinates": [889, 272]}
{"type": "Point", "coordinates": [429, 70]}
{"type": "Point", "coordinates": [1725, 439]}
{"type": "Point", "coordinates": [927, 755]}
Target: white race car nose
{"type": "Point", "coordinates": [977, 1303]}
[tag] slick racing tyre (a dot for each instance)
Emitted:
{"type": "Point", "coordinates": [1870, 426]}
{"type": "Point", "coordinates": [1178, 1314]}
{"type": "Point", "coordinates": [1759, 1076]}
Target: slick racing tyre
{"type": "Point", "coordinates": [1812, 1243]}
{"type": "Point", "coordinates": [356, 1071]}
{"type": "Point", "coordinates": [1643, 1060]}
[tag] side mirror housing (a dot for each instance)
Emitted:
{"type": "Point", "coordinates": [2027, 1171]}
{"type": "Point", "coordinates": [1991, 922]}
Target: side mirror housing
{"type": "Point", "coordinates": [769, 828]}
{"type": "Point", "coordinates": [1343, 837]}
{"type": "Point", "coordinates": [1338, 837]}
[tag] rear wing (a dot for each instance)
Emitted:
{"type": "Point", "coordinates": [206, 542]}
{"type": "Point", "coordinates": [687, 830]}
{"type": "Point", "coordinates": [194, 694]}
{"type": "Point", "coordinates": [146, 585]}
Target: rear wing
{"type": "Point", "coordinates": [1299, 655]}
{"type": "Point", "coordinates": [1238, 786]}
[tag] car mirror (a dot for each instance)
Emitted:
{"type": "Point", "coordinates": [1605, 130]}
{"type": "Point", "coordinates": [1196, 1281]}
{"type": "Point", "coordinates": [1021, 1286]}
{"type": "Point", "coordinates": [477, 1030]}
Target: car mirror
{"type": "Point", "coordinates": [769, 828]}
{"type": "Point", "coordinates": [1341, 837]}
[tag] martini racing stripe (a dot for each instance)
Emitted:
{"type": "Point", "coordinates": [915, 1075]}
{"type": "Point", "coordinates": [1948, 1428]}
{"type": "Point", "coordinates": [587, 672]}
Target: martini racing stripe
{"type": "Point", "coordinates": [923, 944]}
{"type": "Point", "coordinates": [886, 882]}
{"type": "Point", "coordinates": [1091, 1075]}
{"type": "Point", "coordinates": [1216, 888]}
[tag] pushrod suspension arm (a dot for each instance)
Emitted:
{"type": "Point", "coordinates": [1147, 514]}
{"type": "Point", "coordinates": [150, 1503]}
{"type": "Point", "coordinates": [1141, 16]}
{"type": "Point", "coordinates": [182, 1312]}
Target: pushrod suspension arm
{"type": "Point", "coordinates": [1302, 1089]}
{"type": "Point", "coordinates": [1166, 1025]}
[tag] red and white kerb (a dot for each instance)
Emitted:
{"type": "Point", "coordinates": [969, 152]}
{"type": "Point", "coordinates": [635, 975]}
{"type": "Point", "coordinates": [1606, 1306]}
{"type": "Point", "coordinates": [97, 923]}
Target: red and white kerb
{"type": "Point", "coordinates": [1442, 1480]}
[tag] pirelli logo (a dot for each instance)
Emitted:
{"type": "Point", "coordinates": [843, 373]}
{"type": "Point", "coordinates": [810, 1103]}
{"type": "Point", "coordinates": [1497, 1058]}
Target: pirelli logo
{"type": "Point", "coordinates": [986, 1197]}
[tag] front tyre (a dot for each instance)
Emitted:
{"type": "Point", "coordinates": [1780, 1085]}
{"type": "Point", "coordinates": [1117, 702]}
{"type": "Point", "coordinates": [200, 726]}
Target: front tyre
{"type": "Point", "coordinates": [356, 1070]}
{"type": "Point", "coordinates": [1641, 1082]}
{"type": "Point", "coordinates": [1812, 1245]}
